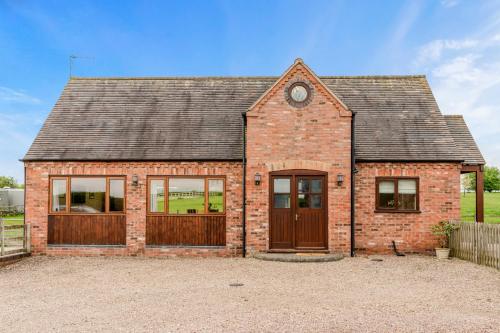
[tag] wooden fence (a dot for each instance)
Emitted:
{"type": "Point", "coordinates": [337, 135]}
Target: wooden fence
{"type": "Point", "coordinates": [14, 236]}
{"type": "Point", "coordinates": [477, 242]}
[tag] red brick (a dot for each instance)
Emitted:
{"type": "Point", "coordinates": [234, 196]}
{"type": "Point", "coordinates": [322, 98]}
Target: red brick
{"type": "Point", "coordinates": [37, 203]}
{"type": "Point", "coordinates": [315, 137]}
{"type": "Point", "coordinates": [439, 200]}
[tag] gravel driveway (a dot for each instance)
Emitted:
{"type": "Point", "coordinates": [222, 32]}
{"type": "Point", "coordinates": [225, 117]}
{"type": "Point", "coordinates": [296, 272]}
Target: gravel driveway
{"type": "Point", "coordinates": [398, 294]}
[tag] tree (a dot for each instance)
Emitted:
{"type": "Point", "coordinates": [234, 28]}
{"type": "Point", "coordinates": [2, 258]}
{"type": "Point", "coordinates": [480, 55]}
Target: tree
{"type": "Point", "coordinates": [491, 179]}
{"type": "Point", "coordinates": [6, 181]}
{"type": "Point", "coordinates": [469, 181]}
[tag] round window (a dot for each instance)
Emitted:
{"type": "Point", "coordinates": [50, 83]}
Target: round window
{"type": "Point", "coordinates": [298, 94]}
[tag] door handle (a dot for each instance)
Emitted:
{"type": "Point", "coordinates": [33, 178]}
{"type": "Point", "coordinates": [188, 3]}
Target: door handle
{"type": "Point", "coordinates": [296, 217]}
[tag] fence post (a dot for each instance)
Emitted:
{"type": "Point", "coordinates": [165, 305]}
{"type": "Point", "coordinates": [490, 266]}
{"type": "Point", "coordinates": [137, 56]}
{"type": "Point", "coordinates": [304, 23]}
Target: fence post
{"type": "Point", "coordinates": [28, 237]}
{"type": "Point", "coordinates": [2, 232]}
{"type": "Point", "coordinates": [24, 236]}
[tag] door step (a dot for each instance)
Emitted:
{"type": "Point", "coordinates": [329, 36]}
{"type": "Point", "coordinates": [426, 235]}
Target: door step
{"type": "Point", "coordinates": [297, 251]}
{"type": "Point", "coordinates": [298, 257]}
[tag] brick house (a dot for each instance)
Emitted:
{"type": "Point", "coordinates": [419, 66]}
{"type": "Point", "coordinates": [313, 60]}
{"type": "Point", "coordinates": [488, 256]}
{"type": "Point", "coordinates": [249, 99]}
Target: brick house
{"type": "Point", "coordinates": [234, 165]}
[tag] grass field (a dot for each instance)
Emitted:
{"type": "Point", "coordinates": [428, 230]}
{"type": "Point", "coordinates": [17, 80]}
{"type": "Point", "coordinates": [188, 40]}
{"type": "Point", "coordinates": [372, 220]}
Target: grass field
{"type": "Point", "coordinates": [14, 220]}
{"type": "Point", "coordinates": [181, 205]}
{"type": "Point", "coordinates": [491, 207]}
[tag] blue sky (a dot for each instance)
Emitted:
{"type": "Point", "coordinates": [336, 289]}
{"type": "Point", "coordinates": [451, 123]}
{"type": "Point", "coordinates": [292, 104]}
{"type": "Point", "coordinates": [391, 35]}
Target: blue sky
{"type": "Point", "coordinates": [456, 43]}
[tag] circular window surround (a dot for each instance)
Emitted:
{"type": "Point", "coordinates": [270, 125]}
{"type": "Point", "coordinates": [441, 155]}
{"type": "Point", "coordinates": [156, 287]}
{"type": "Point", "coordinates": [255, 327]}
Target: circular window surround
{"type": "Point", "coordinates": [300, 86]}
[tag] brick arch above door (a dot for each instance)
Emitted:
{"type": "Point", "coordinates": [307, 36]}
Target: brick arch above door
{"type": "Point", "coordinates": [298, 164]}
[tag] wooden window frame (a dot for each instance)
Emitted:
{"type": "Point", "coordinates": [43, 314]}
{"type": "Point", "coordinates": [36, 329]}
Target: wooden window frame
{"type": "Point", "coordinates": [148, 195]}
{"type": "Point", "coordinates": [379, 209]}
{"type": "Point", "coordinates": [106, 199]}
{"type": "Point", "coordinates": [166, 186]}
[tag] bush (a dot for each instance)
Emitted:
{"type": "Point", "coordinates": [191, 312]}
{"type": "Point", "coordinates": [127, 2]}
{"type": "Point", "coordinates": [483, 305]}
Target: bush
{"type": "Point", "coordinates": [7, 211]}
{"type": "Point", "coordinates": [443, 230]}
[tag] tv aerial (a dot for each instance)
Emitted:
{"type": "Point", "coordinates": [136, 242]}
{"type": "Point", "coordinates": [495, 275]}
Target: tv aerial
{"type": "Point", "coordinates": [72, 58]}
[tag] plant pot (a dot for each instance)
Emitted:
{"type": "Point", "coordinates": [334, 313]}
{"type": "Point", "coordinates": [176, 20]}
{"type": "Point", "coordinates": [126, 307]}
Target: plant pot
{"type": "Point", "coordinates": [442, 253]}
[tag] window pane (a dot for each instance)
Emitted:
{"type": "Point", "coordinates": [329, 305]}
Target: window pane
{"type": "Point", "coordinates": [59, 195]}
{"type": "Point", "coordinates": [316, 201]}
{"type": "Point", "coordinates": [303, 185]}
{"type": "Point", "coordinates": [282, 201]}
{"type": "Point", "coordinates": [116, 195]}
{"type": "Point", "coordinates": [407, 201]}
{"type": "Point", "coordinates": [215, 195]}
{"type": "Point", "coordinates": [186, 196]}
{"type": "Point", "coordinates": [316, 186]}
{"type": "Point", "coordinates": [156, 196]}
{"type": "Point", "coordinates": [407, 194]}
{"type": "Point", "coordinates": [407, 186]}
{"type": "Point", "coordinates": [88, 195]}
{"type": "Point", "coordinates": [303, 200]}
{"type": "Point", "coordinates": [386, 194]}
{"type": "Point", "coordinates": [386, 187]}
{"type": "Point", "coordinates": [281, 185]}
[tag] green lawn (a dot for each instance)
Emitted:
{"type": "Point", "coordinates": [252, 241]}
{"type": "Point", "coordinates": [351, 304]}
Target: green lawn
{"type": "Point", "coordinates": [181, 205]}
{"type": "Point", "coordinates": [14, 220]}
{"type": "Point", "coordinates": [491, 207]}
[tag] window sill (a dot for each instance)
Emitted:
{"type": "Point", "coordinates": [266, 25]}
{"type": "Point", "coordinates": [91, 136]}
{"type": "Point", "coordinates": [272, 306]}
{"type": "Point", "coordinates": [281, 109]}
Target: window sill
{"type": "Point", "coordinates": [208, 247]}
{"type": "Point", "coordinates": [397, 211]}
{"type": "Point", "coordinates": [52, 246]}
{"type": "Point", "coordinates": [88, 214]}
{"type": "Point", "coordinates": [185, 215]}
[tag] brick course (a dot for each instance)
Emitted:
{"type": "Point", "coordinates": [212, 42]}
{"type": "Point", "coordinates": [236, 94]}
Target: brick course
{"type": "Point", "coordinates": [37, 204]}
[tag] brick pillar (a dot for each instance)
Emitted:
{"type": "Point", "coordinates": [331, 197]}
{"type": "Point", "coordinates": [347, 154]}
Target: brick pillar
{"type": "Point", "coordinates": [136, 213]}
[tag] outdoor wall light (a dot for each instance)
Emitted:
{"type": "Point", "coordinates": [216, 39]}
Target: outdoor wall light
{"type": "Point", "coordinates": [135, 180]}
{"type": "Point", "coordinates": [257, 178]}
{"type": "Point", "coordinates": [340, 179]}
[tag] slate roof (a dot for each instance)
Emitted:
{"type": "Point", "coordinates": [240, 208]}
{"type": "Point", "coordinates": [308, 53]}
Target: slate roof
{"type": "Point", "coordinates": [397, 119]}
{"type": "Point", "coordinates": [463, 139]}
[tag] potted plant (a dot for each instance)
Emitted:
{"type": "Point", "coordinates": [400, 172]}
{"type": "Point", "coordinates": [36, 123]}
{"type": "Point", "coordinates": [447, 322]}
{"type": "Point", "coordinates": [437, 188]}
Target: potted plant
{"type": "Point", "coordinates": [443, 231]}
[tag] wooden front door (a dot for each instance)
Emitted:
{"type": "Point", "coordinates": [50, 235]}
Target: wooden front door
{"type": "Point", "coordinates": [298, 211]}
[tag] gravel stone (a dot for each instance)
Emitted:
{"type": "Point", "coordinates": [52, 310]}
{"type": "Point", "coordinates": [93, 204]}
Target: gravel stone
{"type": "Point", "coordinates": [398, 294]}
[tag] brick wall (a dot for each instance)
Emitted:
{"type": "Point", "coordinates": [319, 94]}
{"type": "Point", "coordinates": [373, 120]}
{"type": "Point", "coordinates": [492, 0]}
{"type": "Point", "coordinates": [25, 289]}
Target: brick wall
{"type": "Point", "coordinates": [439, 200]}
{"type": "Point", "coordinates": [315, 137]}
{"type": "Point", "coordinates": [37, 203]}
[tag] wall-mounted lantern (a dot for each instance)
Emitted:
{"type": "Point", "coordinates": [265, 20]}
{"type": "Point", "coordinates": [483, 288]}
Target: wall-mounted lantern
{"type": "Point", "coordinates": [340, 179]}
{"type": "Point", "coordinates": [135, 180]}
{"type": "Point", "coordinates": [258, 178]}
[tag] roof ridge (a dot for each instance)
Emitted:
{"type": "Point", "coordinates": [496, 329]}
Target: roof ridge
{"type": "Point", "coordinates": [229, 77]}
{"type": "Point", "coordinates": [169, 77]}
{"type": "Point", "coordinates": [409, 76]}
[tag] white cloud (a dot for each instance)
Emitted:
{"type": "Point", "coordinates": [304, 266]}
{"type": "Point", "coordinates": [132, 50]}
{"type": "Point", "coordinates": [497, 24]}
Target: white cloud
{"type": "Point", "coordinates": [433, 50]}
{"type": "Point", "coordinates": [18, 130]}
{"type": "Point", "coordinates": [449, 3]}
{"type": "Point", "coordinates": [11, 95]}
{"type": "Point", "coordinates": [465, 76]}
